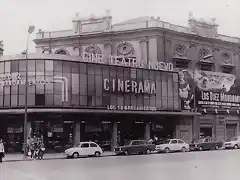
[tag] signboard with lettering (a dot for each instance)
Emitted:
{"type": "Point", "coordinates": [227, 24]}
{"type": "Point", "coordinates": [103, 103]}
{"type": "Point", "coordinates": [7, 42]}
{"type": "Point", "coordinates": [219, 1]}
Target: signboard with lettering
{"type": "Point", "coordinates": [218, 100]}
{"type": "Point", "coordinates": [126, 62]}
{"type": "Point", "coordinates": [129, 86]}
{"type": "Point", "coordinates": [213, 90]}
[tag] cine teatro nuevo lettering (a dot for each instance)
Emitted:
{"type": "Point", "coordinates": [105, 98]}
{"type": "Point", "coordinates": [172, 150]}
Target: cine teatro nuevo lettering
{"type": "Point", "coordinates": [126, 62]}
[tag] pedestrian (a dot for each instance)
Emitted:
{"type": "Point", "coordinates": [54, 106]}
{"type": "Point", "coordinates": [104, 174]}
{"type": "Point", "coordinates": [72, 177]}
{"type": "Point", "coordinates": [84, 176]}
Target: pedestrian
{"type": "Point", "coordinates": [2, 151]}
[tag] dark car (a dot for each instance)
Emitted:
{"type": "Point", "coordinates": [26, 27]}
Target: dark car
{"type": "Point", "coordinates": [207, 143]}
{"type": "Point", "coordinates": [135, 147]}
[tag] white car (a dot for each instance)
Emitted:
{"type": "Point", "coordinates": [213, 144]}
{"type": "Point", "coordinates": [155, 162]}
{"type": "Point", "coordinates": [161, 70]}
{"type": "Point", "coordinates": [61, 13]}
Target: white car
{"type": "Point", "coordinates": [233, 144]}
{"type": "Point", "coordinates": [173, 145]}
{"type": "Point", "coordinates": [82, 149]}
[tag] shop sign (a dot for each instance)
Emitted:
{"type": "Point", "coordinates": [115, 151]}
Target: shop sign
{"type": "Point", "coordinates": [129, 86]}
{"type": "Point", "coordinates": [16, 79]}
{"type": "Point", "coordinates": [126, 62]}
{"type": "Point", "coordinates": [133, 108]}
{"type": "Point", "coordinates": [218, 100]}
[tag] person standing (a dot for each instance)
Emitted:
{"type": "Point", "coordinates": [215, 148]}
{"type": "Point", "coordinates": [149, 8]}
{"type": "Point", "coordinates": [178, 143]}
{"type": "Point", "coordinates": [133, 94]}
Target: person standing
{"type": "Point", "coordinates": [1, 150]}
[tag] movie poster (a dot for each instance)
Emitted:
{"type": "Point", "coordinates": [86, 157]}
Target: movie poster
{"type": "Point", "coordinates": [213, 90]}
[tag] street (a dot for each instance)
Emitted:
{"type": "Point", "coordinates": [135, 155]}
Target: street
{"type": "Point", "coordinates": [209, 165]}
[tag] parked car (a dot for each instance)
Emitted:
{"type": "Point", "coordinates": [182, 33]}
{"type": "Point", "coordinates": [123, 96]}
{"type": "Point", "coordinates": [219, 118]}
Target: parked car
{"type": "Point", "coordinates": [135, 147]}
{"type": "Point", "coordinates": [207, 143]}
{"type": "Point", "coordinates": [84, 149]}
{"type": "Point", "coordinates": [234, 143]}
{"type": "Point", "coordinates": [172, 145]}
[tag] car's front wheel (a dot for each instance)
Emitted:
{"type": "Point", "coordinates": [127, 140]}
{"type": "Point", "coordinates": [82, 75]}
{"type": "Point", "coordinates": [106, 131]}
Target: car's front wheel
{"type": "Point", "coordinates": [166, 150]}
{"type": "Point", "coordinates": [235, 146]}
{"type": "Point", "coordinates": [183, 149]}
{"type": "Point", "coordinates": [75, 155]}
{"type": "Point", "coordinates": [200, 148]}
{"type": "Point", "coordinates": [148, 151]}
{"type": "Point", "coordinates": [125, 152]}
{"type": "Point", "coordinates": [97, 154]}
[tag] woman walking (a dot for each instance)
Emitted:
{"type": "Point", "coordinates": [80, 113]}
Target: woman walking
{"type": "Point", "coordinates": [1, 150]}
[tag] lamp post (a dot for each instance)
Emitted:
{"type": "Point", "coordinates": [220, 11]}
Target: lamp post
{"type": "Point", "coordinates": [30, 31]}
{"type": "Point", "coordinates": [194, 98]}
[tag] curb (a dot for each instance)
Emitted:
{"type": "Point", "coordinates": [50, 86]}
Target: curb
{"type": "Point", "coordinates": [48, 158]}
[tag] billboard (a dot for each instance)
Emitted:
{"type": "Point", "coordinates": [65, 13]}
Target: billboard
{"type": "Point", "coordinates": [213, 90]}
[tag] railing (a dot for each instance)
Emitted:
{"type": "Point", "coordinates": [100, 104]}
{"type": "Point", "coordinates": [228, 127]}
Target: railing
{"type": "Point", "coordinates": [154, 23]}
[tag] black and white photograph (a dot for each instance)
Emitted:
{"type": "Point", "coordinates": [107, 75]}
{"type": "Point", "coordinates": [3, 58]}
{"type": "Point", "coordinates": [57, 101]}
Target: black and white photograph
{"type": "Point", "coordinates": [123, 90]}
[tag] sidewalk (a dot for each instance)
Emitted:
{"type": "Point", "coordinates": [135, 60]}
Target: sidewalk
{"type": "Point", "coordinates": [19, 157]}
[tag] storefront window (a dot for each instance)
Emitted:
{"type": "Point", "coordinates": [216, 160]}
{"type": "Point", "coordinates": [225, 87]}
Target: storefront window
{"type": "Point", "coordinates": [49, 99]}
{"type": "Point", "coordinates": [14, 66]}
{"type": "Point", "coordinates": [6, 100]}
{"type": "Point", "coordinates": [14, 100]}
{"type": "Point", "coordinates": [85, 85]}
{"type": "Point", "coordinates": [57, 66]}
{"type": "Point", "coordinates": [7, 67]}
{"type": "Point", "coordinates": [22, 66]}
{"type": "Point", "coordinates": [31, 66]}
{"type": "Point", "coordinates": [1, 68]}
{"type": "Point", "coordinates": [48, 65]}
{"type": "Point", "coordinates": [39, 65]}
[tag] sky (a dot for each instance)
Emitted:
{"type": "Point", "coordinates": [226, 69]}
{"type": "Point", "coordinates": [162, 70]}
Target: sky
{"type": "Point", "coordinates": [48, 15]}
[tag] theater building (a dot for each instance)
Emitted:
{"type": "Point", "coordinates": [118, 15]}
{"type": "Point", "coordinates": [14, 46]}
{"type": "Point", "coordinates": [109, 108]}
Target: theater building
{"type": "Point", "coordinates": [131, 80]}
{"type": "Point", "coordinates": [73, 99]}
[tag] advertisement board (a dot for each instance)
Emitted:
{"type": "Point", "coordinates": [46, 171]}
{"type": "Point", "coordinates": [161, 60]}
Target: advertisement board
{"type": "Point", "coordinates": [213, 90]}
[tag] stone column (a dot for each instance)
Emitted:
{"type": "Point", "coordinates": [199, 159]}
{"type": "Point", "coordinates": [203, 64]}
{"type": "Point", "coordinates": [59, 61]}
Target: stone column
{"type": "Point", "coordinates": [77, 129]}
{"type": "Point", "coordinates": [144, 50]}
{"type": "Point", "coordinates": [114, 135]}
{"type": "Point", "coordinates": [147, 132]}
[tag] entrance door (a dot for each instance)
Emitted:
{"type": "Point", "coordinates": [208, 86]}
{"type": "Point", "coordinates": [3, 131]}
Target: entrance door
{"type": "Point", "coordinates": [231, 131]}
{"type": "Point", "coordinates": [206, 130]}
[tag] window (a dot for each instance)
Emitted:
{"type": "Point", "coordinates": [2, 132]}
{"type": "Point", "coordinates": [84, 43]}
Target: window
{"type": "Point", "coordinates": [180, 141]}
{"type": "Point", "coordinates": [206, 140]}
{"type": "Point", "coordinates": [174, 142]}
{"type": "Point", "coordinates": [49, 65]}
{"type": "Point", "coordinates": [181, 64]}
{"type": "Point", "coordinates": [227, 70]}
{"type": "Point", "coordinates": [40, 99]}
{"type": "Point", "coordinates": [62, 52]}
{"type": "Point", "coordinates": [14, 66]}
{"type": "Point", "coordinates": [206, 67]}
{"type": "Point", "coordinates": [85, 145]}
{"type": "Point", "coordinates": [40, 65]}
{"type": "Point", "coordinates": [93, 145]}
{"type": "Point", "coordinates": [136, 143]}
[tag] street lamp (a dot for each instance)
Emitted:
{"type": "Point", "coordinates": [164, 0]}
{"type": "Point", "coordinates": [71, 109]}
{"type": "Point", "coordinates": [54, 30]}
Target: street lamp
{"type": "Point", "coordinates": [194, 98]}
{"type": "Point", "coordinates": [30, 31]}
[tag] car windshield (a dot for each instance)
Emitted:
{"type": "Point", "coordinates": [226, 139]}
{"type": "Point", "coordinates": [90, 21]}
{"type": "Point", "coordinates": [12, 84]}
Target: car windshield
{"type": "Point", "coordinates": [127, 143]}
{"type": "Point", "coordinates": [77, 144]}
{"type": "Point", "coordinates": [234, 139]}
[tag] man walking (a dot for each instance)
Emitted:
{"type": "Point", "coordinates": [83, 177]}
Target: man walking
{"type": "Point", "coordinates": [1, 150]}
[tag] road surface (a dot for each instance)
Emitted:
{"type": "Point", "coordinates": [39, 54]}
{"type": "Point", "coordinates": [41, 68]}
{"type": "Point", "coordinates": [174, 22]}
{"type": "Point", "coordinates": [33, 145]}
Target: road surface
{"type": "Point", "coordinates": [211, 165]}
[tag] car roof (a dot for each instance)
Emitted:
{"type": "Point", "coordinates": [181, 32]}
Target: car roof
{"type": "Point", "coordinates": [86, 142]}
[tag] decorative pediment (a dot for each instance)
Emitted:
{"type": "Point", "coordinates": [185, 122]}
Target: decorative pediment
{"type": "Point", "coordinates": [125, 49]}
{"type": "Point", "coordinates": [226, 60]}
{"type": "Point", "coordinates": [205, 56]}
{"type": "Point", "coordinates": [93, 49]}
{"type": "Point", "coordinates": [180, 53]}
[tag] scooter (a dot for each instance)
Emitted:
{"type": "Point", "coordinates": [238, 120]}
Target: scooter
{"type": "Point", "coordinates": [38, 154]}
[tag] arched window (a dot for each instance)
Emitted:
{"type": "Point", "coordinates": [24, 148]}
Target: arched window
{"type": "Point", "coordinates": [62, 52]}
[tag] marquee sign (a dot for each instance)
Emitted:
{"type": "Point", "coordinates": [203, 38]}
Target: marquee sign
{"type": "Point", "coordinates": [129, 86]}
{"type": "Point", "coordinates": [126, 62]}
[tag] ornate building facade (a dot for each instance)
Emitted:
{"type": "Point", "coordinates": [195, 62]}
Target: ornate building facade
{"type": "Point", "coordinates": [130, 80]}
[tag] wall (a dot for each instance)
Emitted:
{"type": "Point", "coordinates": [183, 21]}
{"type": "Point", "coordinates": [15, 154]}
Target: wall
{"type": "Point", "coordinates": [184, 129]}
